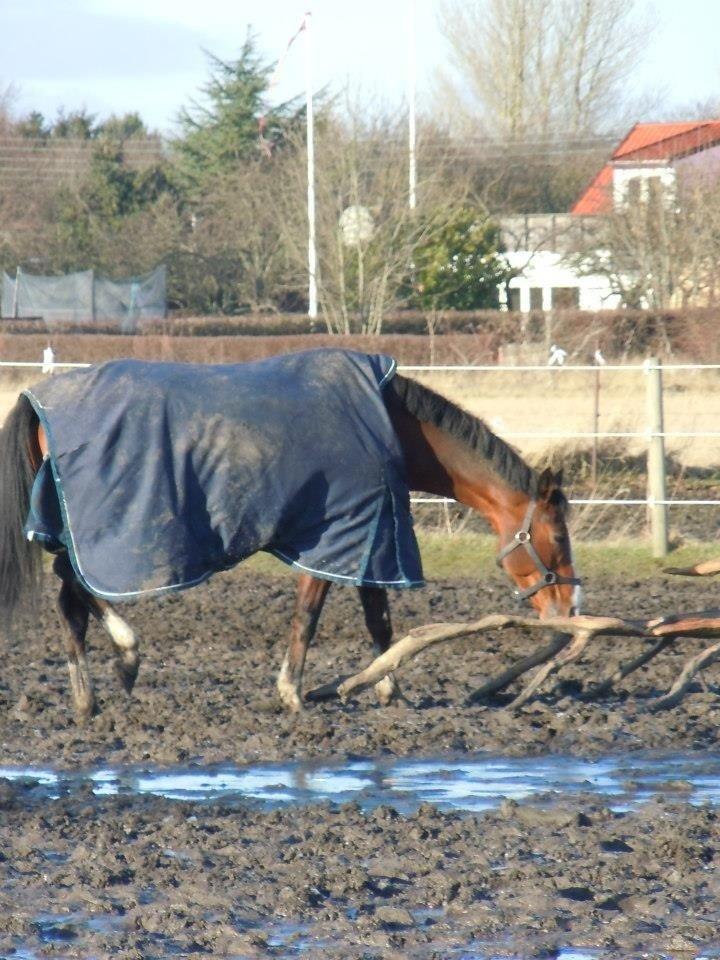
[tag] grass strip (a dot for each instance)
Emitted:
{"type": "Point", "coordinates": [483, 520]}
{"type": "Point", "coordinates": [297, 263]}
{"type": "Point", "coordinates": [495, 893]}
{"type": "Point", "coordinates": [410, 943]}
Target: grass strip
{"type": "Point", "coordinates": [472, 556]}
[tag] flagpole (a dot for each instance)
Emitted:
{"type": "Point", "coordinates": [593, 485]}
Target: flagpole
{"type": "Point", "coordinates": [312, 253]}
{"type": "Point", "coordinates": [412, 136]}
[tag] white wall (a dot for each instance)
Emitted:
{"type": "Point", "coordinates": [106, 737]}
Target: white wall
{"type": "Point", "coordinates": [546, 270]}
{"type": "Point", "coordinates": [624, 174]}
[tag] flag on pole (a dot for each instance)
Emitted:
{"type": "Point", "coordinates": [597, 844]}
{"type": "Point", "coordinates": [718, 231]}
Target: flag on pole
{"type": "Point", "coordinates": [265, 144]}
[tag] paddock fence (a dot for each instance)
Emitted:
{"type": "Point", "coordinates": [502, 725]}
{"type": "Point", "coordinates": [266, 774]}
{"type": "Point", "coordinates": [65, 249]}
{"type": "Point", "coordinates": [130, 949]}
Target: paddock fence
{"type": "Point", "coordinates": [652, 410]}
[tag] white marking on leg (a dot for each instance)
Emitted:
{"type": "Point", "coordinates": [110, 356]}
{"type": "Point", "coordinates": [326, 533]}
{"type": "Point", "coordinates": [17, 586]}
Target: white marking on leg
{"type": "Point", "coordinates": [121, 633]}
{"type": "Point", "coordinates": [287, 689]}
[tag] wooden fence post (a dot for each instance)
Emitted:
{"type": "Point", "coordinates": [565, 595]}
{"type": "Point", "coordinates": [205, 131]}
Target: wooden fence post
{"type": "Point", "coordinates": [656, 485]}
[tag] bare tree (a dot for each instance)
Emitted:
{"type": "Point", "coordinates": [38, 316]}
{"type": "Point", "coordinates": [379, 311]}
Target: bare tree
{"type": "Point", "coordinates": [661, 249]}
{"type": "Point", "coordinates": [366, 231]}
{"type": "Point", "coordinates": [537, 68]}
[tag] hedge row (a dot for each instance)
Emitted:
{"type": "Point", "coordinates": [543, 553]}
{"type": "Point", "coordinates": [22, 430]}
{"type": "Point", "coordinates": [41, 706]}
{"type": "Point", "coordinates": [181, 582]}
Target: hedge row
{"type": "Point", "coordinates": [457, 337]}
{"type": "Point", "coordinates": [409, 349]}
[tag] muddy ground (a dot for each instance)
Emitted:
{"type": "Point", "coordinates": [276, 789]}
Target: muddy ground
{"type": "Point", "coordinates": [86, 876]}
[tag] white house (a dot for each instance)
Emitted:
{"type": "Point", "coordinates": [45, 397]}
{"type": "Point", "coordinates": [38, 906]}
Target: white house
{"type": "Point", "coordinates": [649, 160]}
{"type": "Point", "coordinates": [546, 281]}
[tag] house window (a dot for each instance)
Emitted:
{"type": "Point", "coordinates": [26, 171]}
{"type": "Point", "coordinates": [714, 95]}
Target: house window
{"type": "Point", "coordinates": [536, 298]}
{"type": "Point", "coordinates": [633, 190]}
{"type": "Point", "coordinates": [654, 191]}
{"type": "Point", "coordinates": [565, 298]}
{"type": "Point", "coordinates": [514, 299]}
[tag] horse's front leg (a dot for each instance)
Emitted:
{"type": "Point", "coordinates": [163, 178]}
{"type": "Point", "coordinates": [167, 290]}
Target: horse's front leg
{"type": "Point", "coordinates": [377, 618]}
{"type": "Point", "coordinates": [308, 606]}
{"type": "Point", "coordinates": [127, 661]}
{"type": "Point", "coordinates": [74, 618]}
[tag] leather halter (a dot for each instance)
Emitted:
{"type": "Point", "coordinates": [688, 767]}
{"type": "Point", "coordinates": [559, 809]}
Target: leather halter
{"type": "Point", "coordinates": [523, 539]}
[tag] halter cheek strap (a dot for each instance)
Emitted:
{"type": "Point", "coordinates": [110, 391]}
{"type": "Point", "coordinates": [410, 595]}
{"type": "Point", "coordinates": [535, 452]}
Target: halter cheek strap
{"type": "Point", "coordinates": [523, 539]}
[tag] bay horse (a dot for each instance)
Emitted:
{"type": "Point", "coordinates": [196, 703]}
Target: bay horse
{"type": "Point", "coordinates": [446, 452]}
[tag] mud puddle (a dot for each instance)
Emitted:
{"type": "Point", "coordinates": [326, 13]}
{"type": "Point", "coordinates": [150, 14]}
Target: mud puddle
{"type": "Point", "coordinates": [472, 784]}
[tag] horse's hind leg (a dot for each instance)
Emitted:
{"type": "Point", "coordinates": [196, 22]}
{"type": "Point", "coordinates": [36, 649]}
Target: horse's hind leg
{"type": "Point", "coordinates": [74, 617]}
{"type": "Point", "coordinates": [377, 618]}
{"type": "Point", "coordinates": [127, 661]}
{"type": "Point", "coordinates": [308, 607]}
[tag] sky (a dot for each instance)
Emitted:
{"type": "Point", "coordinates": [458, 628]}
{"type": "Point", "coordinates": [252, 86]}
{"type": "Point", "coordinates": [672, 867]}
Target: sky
{"type": "Point", "coordinates": [117, 56]}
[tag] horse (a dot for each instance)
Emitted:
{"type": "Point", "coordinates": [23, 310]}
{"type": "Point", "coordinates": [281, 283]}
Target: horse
{"type": "Point", "coordinates": [445, 451]}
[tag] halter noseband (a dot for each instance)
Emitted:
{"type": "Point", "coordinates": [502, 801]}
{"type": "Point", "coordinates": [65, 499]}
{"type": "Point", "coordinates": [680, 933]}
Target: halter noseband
{"type": "Point", "coordinates": [523, 539]}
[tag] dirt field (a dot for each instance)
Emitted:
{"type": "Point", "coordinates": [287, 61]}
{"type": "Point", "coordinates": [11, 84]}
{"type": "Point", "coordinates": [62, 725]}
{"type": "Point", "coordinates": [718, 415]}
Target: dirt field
{"type": "Point", "coordinates": [142, 877]}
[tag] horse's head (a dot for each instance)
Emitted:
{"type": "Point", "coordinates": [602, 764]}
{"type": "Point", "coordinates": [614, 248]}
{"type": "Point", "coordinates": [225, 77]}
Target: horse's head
{"type": "Point", "coordinates": [536, 552]}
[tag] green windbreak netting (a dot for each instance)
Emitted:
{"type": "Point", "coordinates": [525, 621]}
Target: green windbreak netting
{"type": "Point", "coordinates": [85, 298]}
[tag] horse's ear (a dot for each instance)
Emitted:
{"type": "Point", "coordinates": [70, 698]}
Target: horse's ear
{"type": "Point", "coordinates": [548, 482]}
{"type": "Point", "coordinates": [559, 478]}
{"type": "Point", "coordinates": [545, 484]}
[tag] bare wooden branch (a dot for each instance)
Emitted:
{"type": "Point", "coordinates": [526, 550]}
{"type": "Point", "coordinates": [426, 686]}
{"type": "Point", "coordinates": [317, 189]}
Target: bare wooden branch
{"type": "Point", "coordinates": [567, 655]}
{"type": "Point", "coordinates": [679, 688]}
{"type": "Point", "coordinates": [625, 669]}
{"type": "Point", "coordinates": [572, 635]}
{"type": "Point", "coordinates": [504, 679]}
{"type": "Point", "coordinates": [706, 623]}
{"type": "Point", "coordinates": [707, 568]}
{"type": "Point", "coordinates": [426, 636]}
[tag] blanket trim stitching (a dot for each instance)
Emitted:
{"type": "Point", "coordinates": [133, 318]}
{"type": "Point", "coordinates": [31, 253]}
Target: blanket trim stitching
{"type": "Point", "coordinates": [341, 578]}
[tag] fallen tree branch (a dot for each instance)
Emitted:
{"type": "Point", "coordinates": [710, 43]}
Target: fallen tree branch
{"type": "Point", "coordinates": [572, 636]}
{"type": "Point", "coordinates": [707, 568]}
{"type": "Point", "coordinates": [625, 669]}
{"type": "Point", "coordinates": [680, 687]}
{"type": "Point", "coordinates": [504, 679]}
{"type": "Point", "coordinates": [426, 636]}
{"type": "Point", "coordinates": [569, 654]}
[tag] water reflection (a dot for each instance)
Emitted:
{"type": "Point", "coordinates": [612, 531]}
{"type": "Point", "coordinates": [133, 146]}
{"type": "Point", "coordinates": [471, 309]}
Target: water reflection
{"type": "Point", "coordinates": [474, 783]}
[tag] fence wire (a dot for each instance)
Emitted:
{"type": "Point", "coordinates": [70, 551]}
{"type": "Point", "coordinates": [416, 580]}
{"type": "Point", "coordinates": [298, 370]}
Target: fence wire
{"type": "Point", "coordinates": [51, 366]}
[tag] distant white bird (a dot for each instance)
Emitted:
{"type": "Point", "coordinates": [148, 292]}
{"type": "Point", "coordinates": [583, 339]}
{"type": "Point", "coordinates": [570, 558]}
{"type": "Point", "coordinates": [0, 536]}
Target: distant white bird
{"type": "Point", "coordinates": [599, 358]}
{"type": "Point", "coordinates": [557, 356]}
{"type": "Point", "coordinates": [48, 360]}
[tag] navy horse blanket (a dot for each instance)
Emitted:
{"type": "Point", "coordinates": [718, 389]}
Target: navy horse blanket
{"type": "Point", "coordinates": [160, 474]}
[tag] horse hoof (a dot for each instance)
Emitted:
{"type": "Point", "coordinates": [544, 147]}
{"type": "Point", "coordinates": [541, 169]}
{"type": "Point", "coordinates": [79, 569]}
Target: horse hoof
{"type": "Point", "coordinates": [127, 672]}
{"type": "Point", "coordinates": [293, 704]}
{"type": "Point", "coordinates": [291, 700]}
{"type": "Point", "coordinates": [289, 694]}
{"type": "Point", "coordinates": [84, 714]}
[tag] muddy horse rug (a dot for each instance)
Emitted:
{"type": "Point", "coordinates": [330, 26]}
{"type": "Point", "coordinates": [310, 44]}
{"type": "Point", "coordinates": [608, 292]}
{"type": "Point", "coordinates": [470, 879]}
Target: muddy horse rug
{"type": "Point", "coordinates": [160, 474]}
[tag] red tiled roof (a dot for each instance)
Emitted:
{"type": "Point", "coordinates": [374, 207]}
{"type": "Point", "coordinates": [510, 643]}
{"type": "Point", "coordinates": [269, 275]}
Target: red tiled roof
{"type": "Point", "coordinates": [647, 141]}
{"type": "Point", "coordinates": [665, 141]}
{"type": "Point", "coordinates": [597, 198]}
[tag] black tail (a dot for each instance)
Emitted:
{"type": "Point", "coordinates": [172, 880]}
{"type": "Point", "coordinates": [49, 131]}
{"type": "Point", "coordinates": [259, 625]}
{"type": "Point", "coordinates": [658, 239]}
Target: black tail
{"type": "Point", "coordinates": [20, 561]}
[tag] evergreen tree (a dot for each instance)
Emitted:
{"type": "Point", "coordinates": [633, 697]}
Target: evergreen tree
{"type": "Point", "coordinates": [225, 130]}
{"type": "Point", "coordinates": [76, 125]}
{"type": "Point", "coordinates": [125, 127]}
{"type": "Point", "coordinates": [459, 266]}
{"type": "Point", "coordinates": [33, 126]}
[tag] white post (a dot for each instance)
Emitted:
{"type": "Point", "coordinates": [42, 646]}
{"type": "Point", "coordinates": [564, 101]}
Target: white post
{"type": "Point", "coordinates": [16, 291]}
{"type": "Point", "coordinates": [312, 253]}
{"type": "Point", "coordinates": [656, 479]}
{"type": "Point", "coordinates": [412, 133]}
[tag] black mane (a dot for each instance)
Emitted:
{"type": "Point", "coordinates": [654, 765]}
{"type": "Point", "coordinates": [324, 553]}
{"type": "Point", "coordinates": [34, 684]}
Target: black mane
{"type": "Point", "coordinates": [430, 407]}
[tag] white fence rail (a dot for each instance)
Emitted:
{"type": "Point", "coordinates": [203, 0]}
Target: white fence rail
{"type": "Point", "coordinates": [654, 434]}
